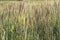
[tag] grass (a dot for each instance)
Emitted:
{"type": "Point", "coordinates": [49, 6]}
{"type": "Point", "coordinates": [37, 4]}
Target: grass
{"type": "Point", "coordinates": [30, 20]}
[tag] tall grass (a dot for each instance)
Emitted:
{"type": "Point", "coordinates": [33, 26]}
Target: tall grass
{"type": "Point", "coordinates": [30, 20]}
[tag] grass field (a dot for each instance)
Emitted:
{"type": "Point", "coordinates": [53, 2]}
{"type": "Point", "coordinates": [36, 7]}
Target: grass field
{"type": "Point", "coordinates": [39, 20]}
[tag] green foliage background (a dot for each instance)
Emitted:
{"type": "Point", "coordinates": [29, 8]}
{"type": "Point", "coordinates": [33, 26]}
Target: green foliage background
{"type": "Point", "coordinates": [39, 20]}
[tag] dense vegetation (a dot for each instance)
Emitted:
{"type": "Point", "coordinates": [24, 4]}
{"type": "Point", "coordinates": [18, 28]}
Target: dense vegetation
{"type": "Point", "coordinates": [30, 20]}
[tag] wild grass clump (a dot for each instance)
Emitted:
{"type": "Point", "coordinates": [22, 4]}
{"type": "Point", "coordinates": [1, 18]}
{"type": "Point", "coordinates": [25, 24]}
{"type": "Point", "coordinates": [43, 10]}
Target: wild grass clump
{"type": "Point", "coordinates": [30, 21]}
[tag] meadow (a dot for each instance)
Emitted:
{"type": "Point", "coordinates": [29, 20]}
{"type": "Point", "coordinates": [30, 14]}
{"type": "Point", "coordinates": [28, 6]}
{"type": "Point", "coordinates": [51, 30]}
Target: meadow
{"type": "Point", "coordinates": [39, 20]}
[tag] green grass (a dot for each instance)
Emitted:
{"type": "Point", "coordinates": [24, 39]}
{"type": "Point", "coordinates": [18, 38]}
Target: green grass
{"type": "Point", "coordinates": [30, 20]}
